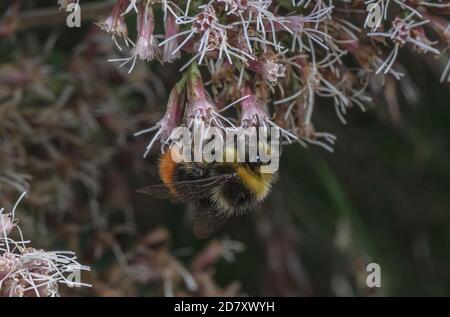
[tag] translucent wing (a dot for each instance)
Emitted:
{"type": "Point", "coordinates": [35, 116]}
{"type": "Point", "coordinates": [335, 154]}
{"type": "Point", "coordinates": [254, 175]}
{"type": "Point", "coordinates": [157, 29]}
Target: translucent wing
{"type": "Point", "coordinates": [207, 221]}
{"type": "Point", "coordinates": [185, 191]}
{"type": "Point", "coordinates": [159, 191]}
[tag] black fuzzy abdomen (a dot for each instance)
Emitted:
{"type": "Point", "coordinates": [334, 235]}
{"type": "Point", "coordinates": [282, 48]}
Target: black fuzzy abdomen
{"type": "Point", "coordinates": [237, 197]}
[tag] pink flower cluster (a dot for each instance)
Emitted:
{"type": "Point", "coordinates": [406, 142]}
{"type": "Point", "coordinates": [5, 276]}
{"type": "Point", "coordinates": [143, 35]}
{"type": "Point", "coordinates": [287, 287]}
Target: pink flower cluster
{"type": "Point", "coordinates": [276, 59]}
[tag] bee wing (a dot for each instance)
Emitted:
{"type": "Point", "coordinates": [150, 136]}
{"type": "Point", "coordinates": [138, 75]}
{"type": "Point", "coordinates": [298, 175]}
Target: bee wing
{"type": "Point", "coordinates": [207, 221]}
{"type": "Point", "coordinates": [186, 191]}
{"type": "Point", "coordinates": [159, 191]}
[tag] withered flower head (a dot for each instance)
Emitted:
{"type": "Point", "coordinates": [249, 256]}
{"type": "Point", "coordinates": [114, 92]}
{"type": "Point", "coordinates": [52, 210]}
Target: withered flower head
{"type": "Point", "coordinates": [115, 24]}
{"type": "Point", "coordinates": [146, 45]}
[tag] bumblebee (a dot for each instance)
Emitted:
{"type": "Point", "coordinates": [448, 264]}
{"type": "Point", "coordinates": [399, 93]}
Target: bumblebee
{"type": "Point", "coordinates": [220, 189]}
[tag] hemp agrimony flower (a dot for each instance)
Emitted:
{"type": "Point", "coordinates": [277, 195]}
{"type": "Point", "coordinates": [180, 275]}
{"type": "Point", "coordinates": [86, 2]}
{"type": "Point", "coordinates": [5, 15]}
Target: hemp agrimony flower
{"type": "Point", "coordinates": [283, 54]}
